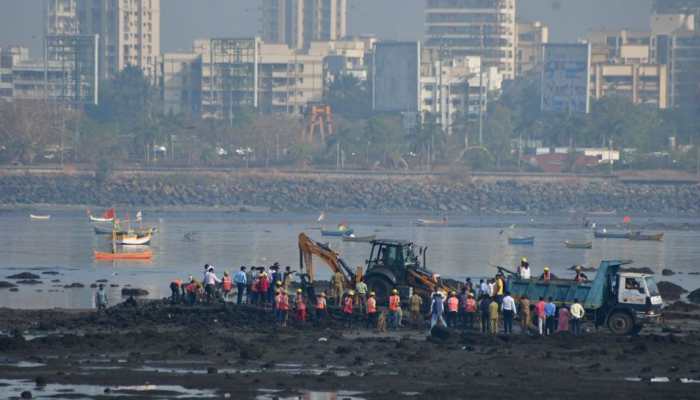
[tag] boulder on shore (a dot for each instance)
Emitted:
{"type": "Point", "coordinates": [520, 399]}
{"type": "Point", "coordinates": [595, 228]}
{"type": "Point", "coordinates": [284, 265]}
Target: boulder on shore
{"type": "Point", "coordinates": [670, 291]}
{"type": "Point", "coordinates": [694, 296]}
{"type": "Point", "coordinates": [24, 275]}
{"type": "Point", "coordinates": [6, 285]}
{"type": "Point", "coordinates": [667, 272]}
{"type": "Point", "coordinates": [134, 292]}
{"type": "Point", "coordinates": [29, 282]}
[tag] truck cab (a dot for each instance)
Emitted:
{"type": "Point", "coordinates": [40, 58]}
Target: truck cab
{"type": "Point", "coordinates": [633, 300]}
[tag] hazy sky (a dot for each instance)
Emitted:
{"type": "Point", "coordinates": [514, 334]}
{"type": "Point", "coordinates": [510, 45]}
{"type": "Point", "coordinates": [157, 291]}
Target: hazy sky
{"type": "Point", "coordinates": [185, 20]}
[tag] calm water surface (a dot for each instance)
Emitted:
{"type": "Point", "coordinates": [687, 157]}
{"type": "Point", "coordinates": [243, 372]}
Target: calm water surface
{"type": "Point", "coordinates": [227, 240]}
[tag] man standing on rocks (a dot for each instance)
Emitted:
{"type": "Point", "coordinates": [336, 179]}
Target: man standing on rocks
{"type": "Point", "coordinates": [525, 314]}
{"type": "Point", "coordinates": [241, 280]}
{"type": "Point", "coordinates": [361, 288]}
{"type": "Point", "coordinates": [210, 282]}
{"type": "Point", "coordinates": [249, 280]}
{"type": "Point", "coordinates": [550, 311]}
{"type": "Point", "coordinates": [541, 315]}
{"type": "Point", "coordinates": [337, 285]}
{"type": "Point", "coordinates": [415, 303]}
{"type": "Point", "coordinates": [394, 309]}
{"type": "Point", "coordinates": [348, 304]}
{"type": "Point", "coordinates": [470, 311]}
{"type": "Point", "coordinates": [437, 309]}
{"type": "Point", "coordinates": [452, 309]}
{"type": "Point", "coordinates": [372, 311]}
{"type": "Point", "coordinates": [509, 312]}
{"type": "Point", "coordinates": [494, 309]}
{"type": "Point", "coordinates": [524, 269]}
{"type": "Point", "coordinates": [101, 299]}
{"type": "Point", "coordinates": [321, 310]}
{"type": "Point", "coordinates": [577, 313]}
{"type": "Point", "coordinates": [484, 308]}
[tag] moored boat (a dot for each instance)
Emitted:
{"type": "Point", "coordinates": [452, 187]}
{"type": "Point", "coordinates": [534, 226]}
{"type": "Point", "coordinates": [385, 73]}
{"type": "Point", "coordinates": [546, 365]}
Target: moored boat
{"type": "Point", "coordinates": [142, 255]}
{"type": "Point", "coordinates": [39, 217]}
{"type": "Point", "coordinates": [337, 232]}
{"type": "Point", "coordinates": [571, 244]}
{"type": "Point", "coordinates": [359, 239]}
{"type": "Point", "coordinates": [639, 236]}
{"type": "Point", "coordinates": [108, 229]}
{"type": "Point", "coordinates": [523, 240]}
{"type": "Point", "coordinates": [107, 216]}
{"type": "Point", "coordinates": [605, 234]}
{"type": "Point", "coordinates": [432, 222]}
{"type": "Point", "coordinates": [134, 240]}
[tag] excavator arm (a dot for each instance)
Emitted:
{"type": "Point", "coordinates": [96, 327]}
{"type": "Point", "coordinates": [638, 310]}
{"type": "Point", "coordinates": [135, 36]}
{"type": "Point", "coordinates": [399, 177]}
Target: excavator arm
{"type": "Point", "coordinates": [309, 248]}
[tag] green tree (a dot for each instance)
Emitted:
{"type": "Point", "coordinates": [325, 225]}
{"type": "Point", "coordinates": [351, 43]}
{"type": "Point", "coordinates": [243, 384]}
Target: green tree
{"type": "Point", "coordinates": [349, 97]}
{"type": "Point", "coordinates": [498, 132]}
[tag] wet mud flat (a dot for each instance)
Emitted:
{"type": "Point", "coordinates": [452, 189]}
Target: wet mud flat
{"type": "Point", "coordinates": [160, 351]}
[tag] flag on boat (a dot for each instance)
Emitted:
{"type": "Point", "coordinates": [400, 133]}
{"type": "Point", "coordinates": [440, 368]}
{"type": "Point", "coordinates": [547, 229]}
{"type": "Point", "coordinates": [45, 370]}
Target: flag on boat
{"type": "Point", "coordinates": [109, 214]}
{"type": "Point", "coordinates": [322, 216]}
{"type": "Point", "coordinates": [139, 216]}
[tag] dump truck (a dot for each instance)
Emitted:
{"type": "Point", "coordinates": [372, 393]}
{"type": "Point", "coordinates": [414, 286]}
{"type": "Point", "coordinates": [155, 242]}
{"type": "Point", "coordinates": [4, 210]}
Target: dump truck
{"type": "Point", "coordinates": [391, 264]}
{"type": "Point", "coordinates": [622, 301]}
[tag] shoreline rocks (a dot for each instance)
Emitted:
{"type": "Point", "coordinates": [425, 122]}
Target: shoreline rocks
{"type": "Point", "coordinates": [24, 276]}
{"type": "Point", "coordinates": [375, 193]}
{"type": "Point", "coordinates": [134, 292]}
{"type": "Point", "coordinates": [670, 291]}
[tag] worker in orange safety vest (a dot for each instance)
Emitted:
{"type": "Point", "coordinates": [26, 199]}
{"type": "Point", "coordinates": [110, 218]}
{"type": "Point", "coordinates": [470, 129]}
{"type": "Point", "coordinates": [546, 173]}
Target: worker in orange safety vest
{"type": "Point", "coordinates": [348, 303]}
{"type": "Point", "coordinates": [300, 306]}
{"type": "Point", "coordinates": [394, 309]}
{"type": "Point", "coordinates": [452, 308]}
{"type": "Point", "coordinates": [372, 311]}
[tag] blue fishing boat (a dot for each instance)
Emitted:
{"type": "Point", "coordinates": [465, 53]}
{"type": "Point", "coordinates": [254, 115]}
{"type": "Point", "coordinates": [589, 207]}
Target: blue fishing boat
{"type": "Point", "coordinates": [524, 240]}
{"type": "Point", "coordinates": [337, 232]}
{"type": "Point", "coordinates": [605, 234]}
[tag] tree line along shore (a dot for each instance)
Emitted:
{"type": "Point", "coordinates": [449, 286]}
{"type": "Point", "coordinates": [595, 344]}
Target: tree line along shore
{"type": "Point", "coordinates": [279, 192]}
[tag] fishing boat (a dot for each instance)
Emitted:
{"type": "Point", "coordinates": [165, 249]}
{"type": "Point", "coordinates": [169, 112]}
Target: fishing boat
{"type": "Point", "coordinates": [571, 244]}
{"type": "Point", "coordinates": [342, 230]}
{"type": "Point", "coordinates": [601, 213]}
{"type": "Point", "coordinates": [107, 216]}
{"type": "Point", "coordinates": [39, 217]}
{"type": "Point", "coordinates": [639, 236]}
{"type": "Point", "coordinates": [605, 234]}
{"type": "Point", "coordinates": [337, 232]}
{"type": "Point", "coordinates": [142, 255]}
{"type": "Point", "coordinates": [431, 222]}
{"type": "Point", "coordinates": [523, 240]}
{"type": "Point", "coordinates": [107, 230]}
{"type": "Point", "coordinates": [134, 240]}
{"type": "Point", "coordinates": [359, 239]}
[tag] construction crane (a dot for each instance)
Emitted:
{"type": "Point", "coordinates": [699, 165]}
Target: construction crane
{"type": "Point", "coordinates": [319, 122]}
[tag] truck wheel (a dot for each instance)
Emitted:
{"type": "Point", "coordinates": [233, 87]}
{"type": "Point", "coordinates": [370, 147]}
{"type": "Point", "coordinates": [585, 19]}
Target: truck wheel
{"type": "Point", "coordinates": [620, 323]}
{"type": "Point", "coordinates": [381, 287]}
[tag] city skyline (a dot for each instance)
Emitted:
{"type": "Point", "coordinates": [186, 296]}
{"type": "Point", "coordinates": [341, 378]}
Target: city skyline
{"type": "Point", "coordinates": [21, 22]}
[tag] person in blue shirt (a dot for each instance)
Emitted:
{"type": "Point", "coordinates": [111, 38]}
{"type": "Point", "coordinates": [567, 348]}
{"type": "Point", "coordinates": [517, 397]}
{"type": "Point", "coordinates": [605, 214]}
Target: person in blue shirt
{"type": "Point", "coordinates": [241, 281]}
{"type": "Point", "coordinates": [550, 311]}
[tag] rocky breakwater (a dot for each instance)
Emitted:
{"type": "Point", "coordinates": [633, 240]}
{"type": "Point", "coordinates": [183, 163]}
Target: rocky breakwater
{"type": "Point", "coordinates": [372, 193]}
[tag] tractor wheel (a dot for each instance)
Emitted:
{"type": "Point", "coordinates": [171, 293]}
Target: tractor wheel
{"type": "Point", "coordinates": [381, 286]}
{"type": "Point", "coordinates": [620, 323]}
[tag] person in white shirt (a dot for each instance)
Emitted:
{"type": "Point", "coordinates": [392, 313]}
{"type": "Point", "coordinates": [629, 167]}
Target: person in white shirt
{"type": "Point", "coordinates": [210, 282]}
{"type": "Point", "coordinates": [524, 269]}
{"type": "Point", "coordinates": [577, 312]}
{"type": "Point", "coordinates": [509, 311]}
{"type": "Point", "coordinates": [492, 287]}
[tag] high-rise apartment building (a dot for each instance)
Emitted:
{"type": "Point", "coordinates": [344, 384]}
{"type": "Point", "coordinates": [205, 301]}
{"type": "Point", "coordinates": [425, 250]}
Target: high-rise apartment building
{"type": "Point", "coordinates": [61, 17]}
{"type": "Point", "coordinates": [299, 22]}
{"type": "Point", "coordinates": [483, 28]}
{"type": "Point", "coordinates": [129, 30]}
{"type": "Point", "coordinates": [531, 37]}
{"type": "Point", "coordinates": [678, 7]}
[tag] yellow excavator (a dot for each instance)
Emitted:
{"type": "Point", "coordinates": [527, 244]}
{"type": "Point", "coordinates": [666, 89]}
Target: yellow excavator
{"type": "Point", "coordinates": [391, 264]}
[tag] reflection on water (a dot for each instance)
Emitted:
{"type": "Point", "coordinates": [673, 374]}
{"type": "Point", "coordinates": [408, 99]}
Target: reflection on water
{"type": "Point", "coordinates": [187, 240]}
{"type": "Point", "coordinates": [12, 388]}
{"type": "Point", "coordinates": [309, 395]}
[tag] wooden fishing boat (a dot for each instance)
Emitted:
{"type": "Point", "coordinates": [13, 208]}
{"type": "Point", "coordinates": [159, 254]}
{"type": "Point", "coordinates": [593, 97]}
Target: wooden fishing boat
{"type": "Point", "coordinates": [605, 234]}
{"type": "Point", "coordinates": [571, 244]}
{"type": "Point", "coordinates": [134, 240]}
{"type": "Point", "coordinates": [107, 216]}
{"type": "Point", "coordinates": [359, 239]}
{"type": "Point", "coordinates": [142, 255]}
{"type": "Point", "coordinates": [601, 213]}
{"type": "Point", "coordinates": [39, 217]}
{"type": "Point", "coordinates": [639, 236]}
{"type": "Point", "coordinates": [431, 222]}
{"type": "Point", "coordinates": [107, 230]}
{"type": "Point", "coordinates": [337, 232]}
{"type": "Point", "coordinates": [523, 240]}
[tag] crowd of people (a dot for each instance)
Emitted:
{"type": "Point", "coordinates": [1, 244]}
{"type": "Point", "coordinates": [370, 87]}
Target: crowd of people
{"type": "Point", "coordinates": [487, 306]}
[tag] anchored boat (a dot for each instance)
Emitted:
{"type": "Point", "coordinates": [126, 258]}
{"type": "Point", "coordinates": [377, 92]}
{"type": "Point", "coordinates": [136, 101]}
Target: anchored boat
{"type": "Point", "coordinates": [142, 255]}
{"type": "Point", "coordinates": [639, 236]}
{"type": "Point", "coordinates": [578, 245]}
{"type": "Point", "coordinates": [39, 217]}
{"type": "Point", "coordinates": [605, 234]}
{"type": "Point", "coordinates": [523, 240]}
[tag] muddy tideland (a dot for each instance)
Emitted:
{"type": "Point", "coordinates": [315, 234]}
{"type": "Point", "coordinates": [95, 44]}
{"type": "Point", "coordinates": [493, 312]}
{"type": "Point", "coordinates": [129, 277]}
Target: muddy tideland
{"type": "Point", "coordinates": [155, 350]}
